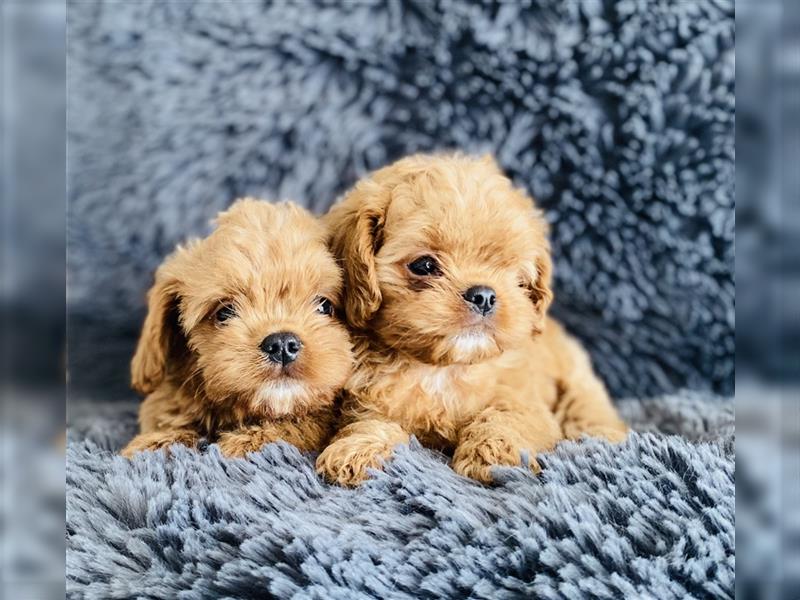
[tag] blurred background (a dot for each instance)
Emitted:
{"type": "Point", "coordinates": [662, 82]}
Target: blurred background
{"type": "Point", "coordinates": [175, 109]}
{"type": "Point", "coordinates": [768, 299]}
{"type": "Point", "coordinates": [33, 242]}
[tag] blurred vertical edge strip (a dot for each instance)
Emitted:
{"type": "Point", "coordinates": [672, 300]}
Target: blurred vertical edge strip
{"type": "Point", "coordinates": [768, 302]}
{"type": "Point", "coordinates": [32, 297]}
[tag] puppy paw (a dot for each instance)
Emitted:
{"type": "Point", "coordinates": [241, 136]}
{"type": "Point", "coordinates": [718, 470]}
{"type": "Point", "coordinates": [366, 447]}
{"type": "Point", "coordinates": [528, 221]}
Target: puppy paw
{"type": "Point", "coordinates": [614, 433]}
{"type": "Point", "coordinates": [238, 444]}
{"type": "Point", "coordinates": [158, 440]}
{"type": "Point", "coordinates": [476, 460]}
{"type": "Point", "coordinates": [347, 463]}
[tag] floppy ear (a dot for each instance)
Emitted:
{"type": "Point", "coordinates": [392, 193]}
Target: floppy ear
{"type": "Point", "coordinates": [160, 337]}
{"type": "Point", "coordinates": [537, 280]}
{"type": "Point", "coordinates": [538, 273]}
{"type": "Point", "coordinates": [355, 233]}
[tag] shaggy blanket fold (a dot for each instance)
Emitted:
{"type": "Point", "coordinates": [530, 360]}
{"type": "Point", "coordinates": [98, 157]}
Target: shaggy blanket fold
{"type": "Point", "coordinates": [651, 518]}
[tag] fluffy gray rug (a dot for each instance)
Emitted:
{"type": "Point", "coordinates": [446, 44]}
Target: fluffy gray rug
{"type": "Point", "coordinates": [652, 518]}
{"type": "Point", "coordinates": [617, 116]}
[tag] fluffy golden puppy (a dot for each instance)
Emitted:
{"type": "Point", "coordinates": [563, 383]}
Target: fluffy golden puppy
{"type": "Point", "coordinates": [240, 345]}
{"type": "Point", "coordinates": [447, 285]}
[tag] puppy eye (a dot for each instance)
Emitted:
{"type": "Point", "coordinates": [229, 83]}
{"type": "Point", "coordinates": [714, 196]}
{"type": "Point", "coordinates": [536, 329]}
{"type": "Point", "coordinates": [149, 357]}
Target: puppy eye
{"type": "Point", "coordinates": [225, 312]}
{"type": "Point", "coordinates": [324, 306]}
{"type": "Point", "coordinates": [425, 266]}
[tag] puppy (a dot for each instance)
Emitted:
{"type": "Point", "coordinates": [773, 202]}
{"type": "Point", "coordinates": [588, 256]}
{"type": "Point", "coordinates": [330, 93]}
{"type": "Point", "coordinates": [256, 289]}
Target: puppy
{"type": "Point", "coordinates": [240, 344]}
{"type": "Point", "coordinates": [447, 285]}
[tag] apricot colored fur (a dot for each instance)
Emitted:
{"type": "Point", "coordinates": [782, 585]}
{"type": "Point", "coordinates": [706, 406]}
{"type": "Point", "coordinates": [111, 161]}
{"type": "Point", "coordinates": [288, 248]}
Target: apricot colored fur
{"type": "Point", "coordinates": [209, 379]}
{"type": "Point", "coordinates": [485, 388]}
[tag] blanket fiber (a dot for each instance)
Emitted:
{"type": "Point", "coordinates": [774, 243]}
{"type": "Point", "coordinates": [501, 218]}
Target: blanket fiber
{"type": "Point", "coordinates": [617, 116]}
{"type": "Point", "coordinates": [652, 518]}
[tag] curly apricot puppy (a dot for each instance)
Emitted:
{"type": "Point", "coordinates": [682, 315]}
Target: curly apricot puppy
{"type": "Point", "coordinates": [240, 345]}
{"type": "Point", "coordinates": [447, 285]}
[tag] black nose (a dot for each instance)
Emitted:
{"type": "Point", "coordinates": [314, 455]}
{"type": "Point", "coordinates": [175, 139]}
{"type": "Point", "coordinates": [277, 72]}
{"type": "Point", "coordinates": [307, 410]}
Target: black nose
{"type": "Point", "coordinates": [282, 347]}
{"type": "Point", "coordinates": [481, 298]}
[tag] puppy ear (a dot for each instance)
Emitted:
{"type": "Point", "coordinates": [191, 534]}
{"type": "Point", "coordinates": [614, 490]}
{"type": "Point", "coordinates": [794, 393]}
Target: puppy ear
{"type": "Point", "coordinates": [537, 279]}
{"type": "Point", "coordinates": [355, 233]}
{"type": "Point", "coordinates": [355, 228]}
{"type": "Point", "coordinates": [160, 335]}
{"type": "Point", "coordinates": [537, 273]}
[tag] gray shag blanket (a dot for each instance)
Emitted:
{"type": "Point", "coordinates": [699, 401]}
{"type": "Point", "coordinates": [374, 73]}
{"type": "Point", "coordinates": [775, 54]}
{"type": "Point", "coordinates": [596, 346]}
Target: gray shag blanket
{"type": "Point", "coordinates": [651, 518]}
{"type": "Point", "coordinates": [617, 116]}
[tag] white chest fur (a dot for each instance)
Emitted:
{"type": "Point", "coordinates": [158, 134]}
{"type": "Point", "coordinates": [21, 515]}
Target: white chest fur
{"type": "Point", "coordinates": [450, 389]}
{"type": "Point", "coordinates": [438, 382]}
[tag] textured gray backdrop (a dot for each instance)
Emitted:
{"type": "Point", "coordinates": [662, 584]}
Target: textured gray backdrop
{"type": "Point", "coordinates": [617, 116]}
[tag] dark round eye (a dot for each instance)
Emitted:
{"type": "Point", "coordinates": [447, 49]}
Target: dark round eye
{"type": "Point", "coordinates": [324, 306]}
{"type": "Point", "coordinates": [424, 266]}
{"type": "Point", "coordinates": [224, 313]}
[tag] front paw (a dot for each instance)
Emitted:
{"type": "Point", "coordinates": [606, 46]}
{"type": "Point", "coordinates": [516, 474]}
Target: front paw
{"type": "Point", "coordinates": [476, 459]}
{"type": "Point", "coordinates": [158, 440]}
{"type": "Point", "coordinates": [239, 444]}
{"type": "Point", "coordinates": [347, 463]}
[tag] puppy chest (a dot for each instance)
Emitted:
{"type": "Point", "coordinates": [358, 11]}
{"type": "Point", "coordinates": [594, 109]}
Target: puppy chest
{"type": "Point", "coordinates": [445, 396]}
{"type": "Point", "coordinates": [439, 385]}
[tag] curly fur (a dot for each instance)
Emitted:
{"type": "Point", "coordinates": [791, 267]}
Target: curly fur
{"type": "Point", "coordinates": [207, 378]}
{"type": "Point", "coordinates": [484, 387]}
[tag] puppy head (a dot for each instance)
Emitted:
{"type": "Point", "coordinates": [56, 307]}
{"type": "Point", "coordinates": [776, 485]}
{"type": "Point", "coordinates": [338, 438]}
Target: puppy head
{"type": "Point", "coordinates": [247, 313]}
{"type": "Point", "coordinates": [443, 258]}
